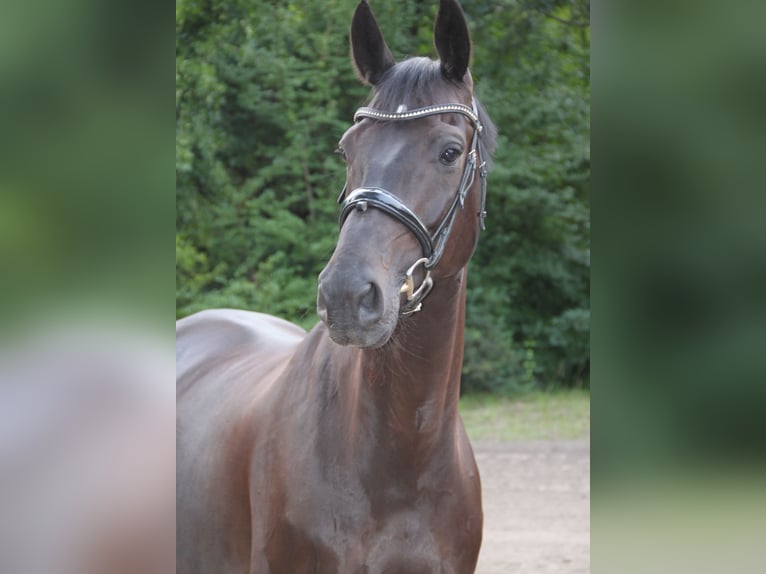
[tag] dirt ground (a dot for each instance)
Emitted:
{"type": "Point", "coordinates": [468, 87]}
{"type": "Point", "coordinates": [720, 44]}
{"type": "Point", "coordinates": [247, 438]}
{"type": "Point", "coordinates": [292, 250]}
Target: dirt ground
{"type": "Point", "coordinates": [536, 497]}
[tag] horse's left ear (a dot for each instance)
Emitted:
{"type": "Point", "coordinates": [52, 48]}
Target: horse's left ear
{"type": "Point", "coordinates": [452, 41]}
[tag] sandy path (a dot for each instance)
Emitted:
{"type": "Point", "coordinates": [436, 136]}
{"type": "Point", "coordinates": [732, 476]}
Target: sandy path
{"type": "Point", "coordinates": [536, 507]}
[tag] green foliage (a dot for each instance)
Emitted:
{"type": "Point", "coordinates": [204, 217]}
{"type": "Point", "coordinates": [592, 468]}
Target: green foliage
{"type": "Point", "coordinates": [531, 65]}
{"type": "Point", "coordinates": [263, 93]}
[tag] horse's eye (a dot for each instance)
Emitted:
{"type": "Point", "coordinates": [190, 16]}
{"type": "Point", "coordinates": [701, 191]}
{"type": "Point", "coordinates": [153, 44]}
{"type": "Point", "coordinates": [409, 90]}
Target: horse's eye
{"type": "Point", "coordinates": [450, 155]}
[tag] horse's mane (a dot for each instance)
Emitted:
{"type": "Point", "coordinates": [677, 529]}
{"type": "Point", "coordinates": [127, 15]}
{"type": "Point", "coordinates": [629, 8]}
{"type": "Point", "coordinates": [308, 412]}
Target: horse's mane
{"type": "Point", "coordinates": [419, 82]}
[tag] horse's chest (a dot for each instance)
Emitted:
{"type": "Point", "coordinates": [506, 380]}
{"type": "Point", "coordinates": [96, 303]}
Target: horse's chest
{"type": "Point", "coordinates": [339, 526]}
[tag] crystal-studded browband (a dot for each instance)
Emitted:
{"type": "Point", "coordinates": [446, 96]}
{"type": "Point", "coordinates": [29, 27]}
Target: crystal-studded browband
{"type": "Point", "coordinates": [421, 113]}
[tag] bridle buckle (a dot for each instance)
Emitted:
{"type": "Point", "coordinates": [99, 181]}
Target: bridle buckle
{"type": "Point", "coordinates": [408, 288]}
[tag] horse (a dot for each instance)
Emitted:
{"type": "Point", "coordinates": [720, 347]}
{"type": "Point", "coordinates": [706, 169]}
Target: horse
{"type": "Point", "coordinates": [341, 450]}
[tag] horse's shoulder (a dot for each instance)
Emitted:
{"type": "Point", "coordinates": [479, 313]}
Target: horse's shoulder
{"type": "Point", "coordinates": [237, 323]}
{"type": "Point", "coordinates": [217, 333]}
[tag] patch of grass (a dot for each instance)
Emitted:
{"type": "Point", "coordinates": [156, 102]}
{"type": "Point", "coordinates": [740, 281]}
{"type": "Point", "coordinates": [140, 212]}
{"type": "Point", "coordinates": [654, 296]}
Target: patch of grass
{"type": "Point", "coordinates": [560, 415]}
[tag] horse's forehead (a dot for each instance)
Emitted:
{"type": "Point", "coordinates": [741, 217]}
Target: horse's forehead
{"type": "Point", "coordinates": [381, 133]}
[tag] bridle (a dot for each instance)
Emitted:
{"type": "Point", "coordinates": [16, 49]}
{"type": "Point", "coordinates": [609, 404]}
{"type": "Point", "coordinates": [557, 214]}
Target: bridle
{"type": "Point", "coordinates": [432, 245]}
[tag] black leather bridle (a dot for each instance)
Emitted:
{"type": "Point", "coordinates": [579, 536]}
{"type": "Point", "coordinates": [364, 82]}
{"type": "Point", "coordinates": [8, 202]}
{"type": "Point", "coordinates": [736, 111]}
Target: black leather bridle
{"type": "Point", "coordinates": [432, 245]}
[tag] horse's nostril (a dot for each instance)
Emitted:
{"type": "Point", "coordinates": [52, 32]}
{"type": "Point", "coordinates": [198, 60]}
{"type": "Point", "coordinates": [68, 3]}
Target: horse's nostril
{"type": "Point", "coordinates": [321, 304]}
{"type": "Point", "coordinates": [367, 298]}
{"type": "Point", "coordinates": [370, 304]}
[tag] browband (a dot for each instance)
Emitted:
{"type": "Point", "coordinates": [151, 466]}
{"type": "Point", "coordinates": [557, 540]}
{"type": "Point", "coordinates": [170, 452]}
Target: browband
{"type": "Point", "coordinates": [420, 113]}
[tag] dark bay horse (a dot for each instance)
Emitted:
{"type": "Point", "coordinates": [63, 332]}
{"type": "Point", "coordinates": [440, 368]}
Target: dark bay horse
{"type": "Point", "coordinates": [341, 450]}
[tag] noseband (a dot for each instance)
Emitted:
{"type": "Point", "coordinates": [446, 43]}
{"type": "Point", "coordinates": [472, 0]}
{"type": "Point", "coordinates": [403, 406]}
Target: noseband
{"type": "Point", "coordinates": [432, 245]}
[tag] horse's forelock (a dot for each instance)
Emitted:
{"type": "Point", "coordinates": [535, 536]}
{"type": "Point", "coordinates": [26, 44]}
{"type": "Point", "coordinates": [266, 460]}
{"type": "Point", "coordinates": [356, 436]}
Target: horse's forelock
{"type": "Point", "coordinates": [415, 82]}
{"type": "Point", "coordinates": [419, 82]}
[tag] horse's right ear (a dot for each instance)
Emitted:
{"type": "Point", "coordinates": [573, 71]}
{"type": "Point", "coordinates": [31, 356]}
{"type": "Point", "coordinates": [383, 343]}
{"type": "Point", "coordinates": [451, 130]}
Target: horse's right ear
{"type": "Point", "coordinates": [452, 40]}
{"type": "Point", "coordinates": [369, 53]}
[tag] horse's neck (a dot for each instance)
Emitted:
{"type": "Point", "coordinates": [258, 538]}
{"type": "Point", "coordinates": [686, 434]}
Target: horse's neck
{"type": "Point", "coordinates": [414, 381]}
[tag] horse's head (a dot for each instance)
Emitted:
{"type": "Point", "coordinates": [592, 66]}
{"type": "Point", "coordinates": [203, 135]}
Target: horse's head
{"type": "Point", "coordinates": [414, 197]}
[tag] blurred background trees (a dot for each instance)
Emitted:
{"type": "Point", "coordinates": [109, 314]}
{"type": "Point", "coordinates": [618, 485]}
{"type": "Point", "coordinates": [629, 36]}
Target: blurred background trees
{"type": "Point", "coordinates": [265, 90]}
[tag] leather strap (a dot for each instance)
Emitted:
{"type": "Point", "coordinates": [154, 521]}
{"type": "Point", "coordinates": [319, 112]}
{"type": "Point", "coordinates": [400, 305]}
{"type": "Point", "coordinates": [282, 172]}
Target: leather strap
{"type": "Point", "coordinates": [362, 197]}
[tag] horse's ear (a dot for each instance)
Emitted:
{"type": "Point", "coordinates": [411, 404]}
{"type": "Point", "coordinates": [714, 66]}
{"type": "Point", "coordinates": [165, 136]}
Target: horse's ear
{"type": "Point", "coordinates": [452, 41]}
{"type": "Point", "coordinates": [369, 52]}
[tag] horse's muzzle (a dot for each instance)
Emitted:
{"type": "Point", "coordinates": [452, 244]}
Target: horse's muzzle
{"type": "Point", "coordinates": [353, 307]}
